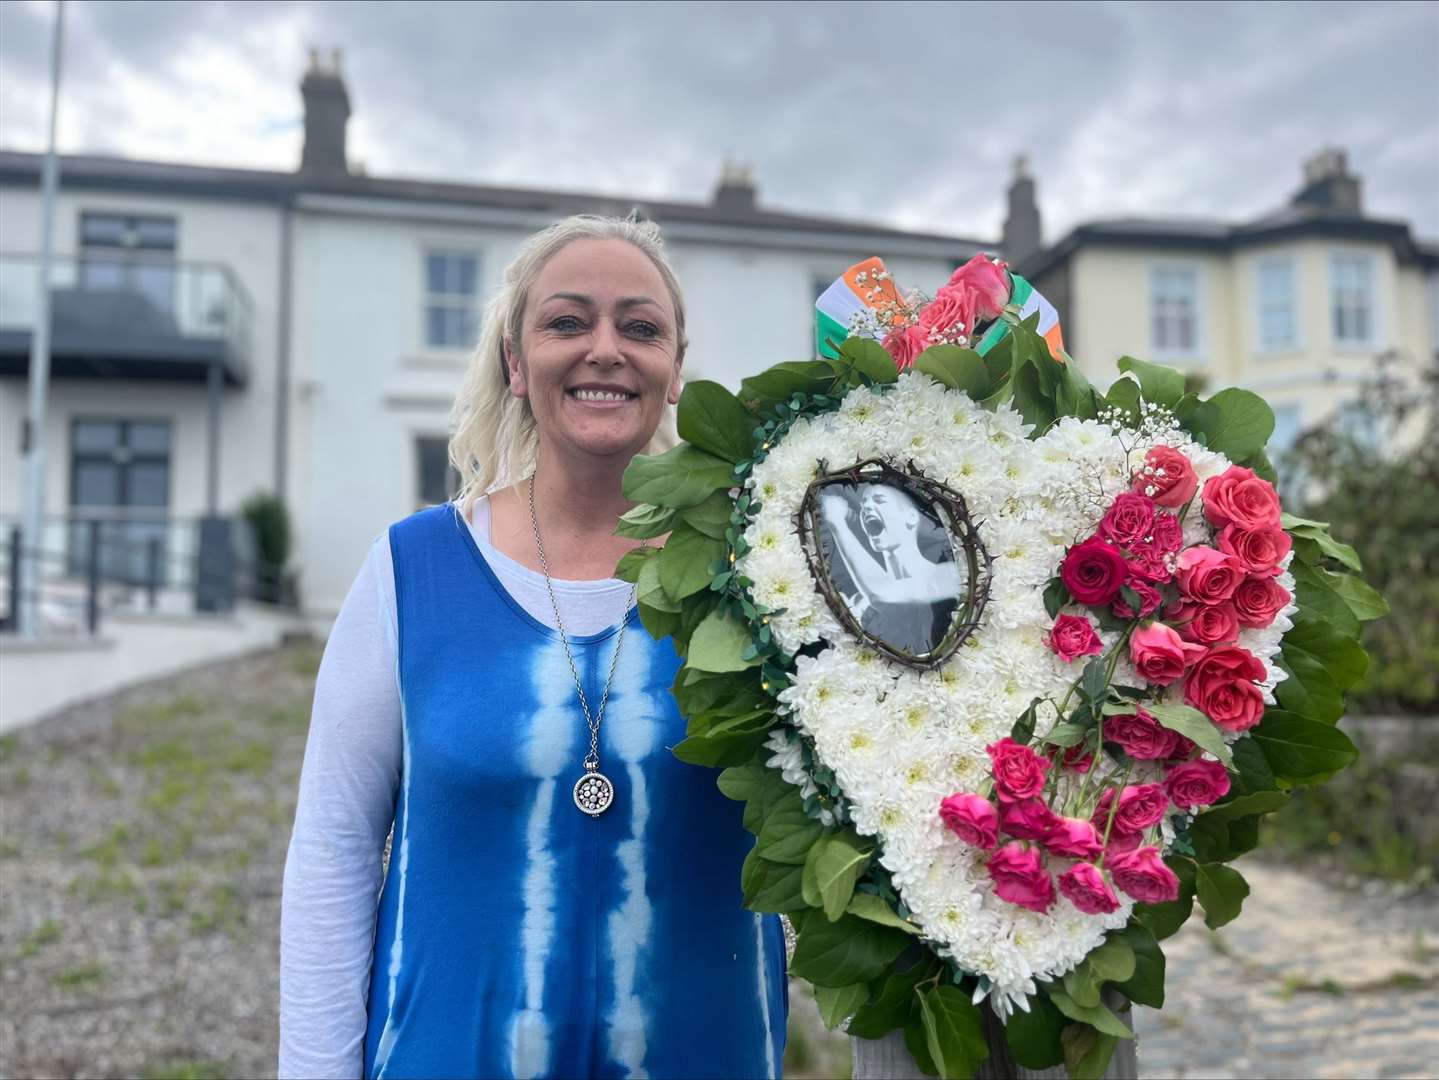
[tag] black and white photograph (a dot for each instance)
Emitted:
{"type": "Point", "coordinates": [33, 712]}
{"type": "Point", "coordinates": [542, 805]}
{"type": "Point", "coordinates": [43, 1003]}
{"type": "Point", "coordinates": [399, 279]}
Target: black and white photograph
{"type": "Point", "coordinates": [891, 561]}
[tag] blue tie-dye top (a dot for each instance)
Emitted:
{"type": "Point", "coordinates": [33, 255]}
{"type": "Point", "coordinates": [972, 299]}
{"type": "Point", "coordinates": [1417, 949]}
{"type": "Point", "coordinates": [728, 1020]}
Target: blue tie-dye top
{"type": "Point", "coordinates": [517, 936]}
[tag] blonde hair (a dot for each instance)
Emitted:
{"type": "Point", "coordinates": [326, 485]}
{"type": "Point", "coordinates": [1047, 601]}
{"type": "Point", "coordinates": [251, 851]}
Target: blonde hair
{"type": "Point", "coordinates": [495, 441]}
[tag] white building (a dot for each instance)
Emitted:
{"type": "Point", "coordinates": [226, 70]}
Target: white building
{"type": "Point", "coordinates": [222, 332]}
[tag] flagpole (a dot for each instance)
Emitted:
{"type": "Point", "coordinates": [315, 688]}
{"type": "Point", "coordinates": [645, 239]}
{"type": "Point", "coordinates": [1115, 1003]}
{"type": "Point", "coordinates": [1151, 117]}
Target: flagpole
{"type": "Point", "coordinates": [32, 533]}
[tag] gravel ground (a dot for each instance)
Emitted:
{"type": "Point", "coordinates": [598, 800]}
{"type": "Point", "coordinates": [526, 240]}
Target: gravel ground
{"type": "Point", "coordinates": [142, 840]}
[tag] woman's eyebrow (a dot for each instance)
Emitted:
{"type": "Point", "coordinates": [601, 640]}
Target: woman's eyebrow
{"type": "Point", "coordinates": [579, 298]}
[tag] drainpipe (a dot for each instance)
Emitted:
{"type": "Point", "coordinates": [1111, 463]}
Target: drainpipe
{"type": "Point", "coordinates": [282, 353]}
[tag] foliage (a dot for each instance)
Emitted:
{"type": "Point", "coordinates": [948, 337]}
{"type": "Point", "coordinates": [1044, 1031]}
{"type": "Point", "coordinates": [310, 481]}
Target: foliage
{"type": "Point", "coordinates": [1372, 468]}
{"type": "Point", "coordinates": [270, 522]}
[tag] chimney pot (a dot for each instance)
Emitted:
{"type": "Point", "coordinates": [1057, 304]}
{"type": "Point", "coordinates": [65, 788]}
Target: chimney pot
{"type": "Point", "coordinates": [327, 111]}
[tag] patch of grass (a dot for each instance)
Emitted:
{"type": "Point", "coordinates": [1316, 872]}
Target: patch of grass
{"type": "Point", "coordinates": [1298, 984]}
{"type": "Point", "coordinates": [224, 913]}
{"type": "Point", "coordinates": [108, 884]}
{"type": "Point", "coordinates": [161, 714]}
{"type": "Point", "coordinates": [254, 757]}
{"type": "Point", "coordinates": [8, 745]}
{"type": "Point", "coordinates": [304, 660]}
{"type": "Point", "coordinates": [21, 778]}
{"type": "Point", "coordinates": [9, 850]}
{"type": "Point", "coordinates": [187, 1070]}
{"type": "Point", "coordinates": [84, 975]}
{"type": "Point", "coordinates": [173, 894]}
{"type": "Point", "coordinates": [102, 782]}
{"type": "Point", "coordinates": [1219, 945]}
{"type": "Point", "coordinates": [47, 933]}
{"type": "Point", "coordinates": [108, 851]}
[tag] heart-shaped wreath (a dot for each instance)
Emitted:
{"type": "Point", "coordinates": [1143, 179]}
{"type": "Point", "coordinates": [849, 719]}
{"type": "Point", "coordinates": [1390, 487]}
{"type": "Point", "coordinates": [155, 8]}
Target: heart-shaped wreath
{"type": "Point", "coordinates": [1005, 670]}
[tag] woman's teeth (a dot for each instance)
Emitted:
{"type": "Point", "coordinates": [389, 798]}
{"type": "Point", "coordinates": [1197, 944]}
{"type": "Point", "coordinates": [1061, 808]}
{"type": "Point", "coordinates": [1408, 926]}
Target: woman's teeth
{"type": "Point", "coordinates": [601, 395]}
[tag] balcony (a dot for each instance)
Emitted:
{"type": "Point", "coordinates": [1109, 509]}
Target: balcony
{"type": "Point", "coordinates": [128, 318]}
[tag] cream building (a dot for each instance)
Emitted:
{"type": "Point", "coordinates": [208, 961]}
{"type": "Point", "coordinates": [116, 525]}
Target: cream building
{"type": "Point", "coordinates": [1295, 305]}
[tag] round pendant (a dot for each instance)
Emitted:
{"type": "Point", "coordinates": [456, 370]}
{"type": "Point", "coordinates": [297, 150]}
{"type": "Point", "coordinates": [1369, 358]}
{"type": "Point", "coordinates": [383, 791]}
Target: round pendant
{"type": "Point", "coordinates": [594, 794]}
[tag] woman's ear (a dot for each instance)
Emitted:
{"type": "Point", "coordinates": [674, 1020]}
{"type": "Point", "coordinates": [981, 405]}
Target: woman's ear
{"type": "Point", "coordinates": [514, 369]}
{"type": "Point", "coordinates": [677, 382]}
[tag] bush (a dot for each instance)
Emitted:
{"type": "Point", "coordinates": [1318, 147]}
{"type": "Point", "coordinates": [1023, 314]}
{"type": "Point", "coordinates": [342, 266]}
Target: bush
{"type": "Point", "coordinates": [270, 523]}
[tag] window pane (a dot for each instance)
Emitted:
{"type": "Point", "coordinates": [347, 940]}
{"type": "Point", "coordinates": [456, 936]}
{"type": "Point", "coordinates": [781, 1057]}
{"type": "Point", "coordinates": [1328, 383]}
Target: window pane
{"type": "Point", "coordinates": [436, 477]}
{"type": "Point", "coordinates": [96, 435]}
{"type": "Point", "coordinates": [435, 266]}
{"type": "Point", "coordinates": [149, 484]}
{"type": "Point", "coordinates": [468, 282]}
{"type": "Point", "coordinates": [97, 483]}
{"type": "Point", "coordinates": [156, 234]}
{"type": "Point", "coordinates": [149, 437]}
{"type": "Point", "coordinates": [435, 326]}
{"type": "Point", "coordinates": [105, 229]}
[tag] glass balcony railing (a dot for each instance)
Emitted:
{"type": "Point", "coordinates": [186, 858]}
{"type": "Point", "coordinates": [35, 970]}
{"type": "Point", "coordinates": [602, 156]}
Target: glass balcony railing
{"type": "Point", "coordinates": [127, 315]}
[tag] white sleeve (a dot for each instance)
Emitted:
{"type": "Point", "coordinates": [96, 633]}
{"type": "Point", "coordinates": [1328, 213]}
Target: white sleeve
{"type": "Point", "coordinates": [346, 807]}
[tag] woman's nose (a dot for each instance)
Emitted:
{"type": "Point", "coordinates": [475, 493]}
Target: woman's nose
{"type": "Point", "coordinates": [605, 344]}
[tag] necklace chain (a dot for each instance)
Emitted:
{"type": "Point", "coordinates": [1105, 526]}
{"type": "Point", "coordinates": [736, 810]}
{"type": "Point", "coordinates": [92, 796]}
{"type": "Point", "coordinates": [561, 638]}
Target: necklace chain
{"type": "Point", "coordinates": [592, 760]}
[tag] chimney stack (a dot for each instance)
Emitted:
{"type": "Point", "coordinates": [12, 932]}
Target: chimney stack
{"type": "Point", "coordinates": [327, 110]}
{"type": "Point", "coordinates": [1022, 236]}
{"type": "Point", "coordinates": [736, 190]}
{"type": "Point", "coordinates": [1329, 185]}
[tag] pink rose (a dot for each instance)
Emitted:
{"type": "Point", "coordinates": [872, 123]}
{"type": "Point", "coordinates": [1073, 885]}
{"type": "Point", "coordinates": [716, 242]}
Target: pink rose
{"type": "Point", "coordinates": [1207, 576]}
{"type": "Point", "coordinates": [1073, 839]}
{"type": "Point", "coordinates": [987, 281]}
{"type": "Point", "coordinates": [1140, 735]}
{"type": "Point", "coordinates": [1196, 783]}
{"type": "Point", "coordinates": [1018, 770]}
{"type": "Point", "coordinates": [1020, 878]}
{"type": "Point", "coordinates": [1167, 477]}
{"type": "Point", "coordinates": [1149, 600]}
{"type": "Point", "coordinates": [1238, 496]}
{"type": "Point", "coordinates": [951, 310]}
{"type": "Point", "coordinates": [1221, 685]}
{"type": "Point", "coordinates": [1073, 635]}
{"type": "Point", "coordinates": [1093, 571]}
{"type": "Point", "coordinates": [1027, 819]}
{"type": "Point", "coordinates": [1258, 600]}
{"type": "Point", "coordinates": [1259, 551]}
{"type": "Point", "coordinates": [1140, 806]}
{"type": "Point", "coordinates": [1128, 519]}
{"type": "Point", "coordinates": [1083, 885]}
{"type": "Point", "coordinates": [1121, 841]}
{"type": "Point", "coordinates": [1183, 749]}
{"type": "Point", "coordinates": [1142, 874]}
{"type": "Point", "coordinates": [1160, 655]}
{"type": "Point", "coordinates": [1074, 757]}
{"type": "Point", "coordinates": [1149, 562]}
{"type": "Point", "coordinates": [905, 343]}
{"type": "Point", "coordinates": [1168, 533]}
{"type": "Point", "coordinates": [1210, 625]}
{"type": "Point", "coordinates": [972, 818]}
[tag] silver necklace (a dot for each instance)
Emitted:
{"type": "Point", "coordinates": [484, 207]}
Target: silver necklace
{"type": "Point", "coordinates": [594, 793]}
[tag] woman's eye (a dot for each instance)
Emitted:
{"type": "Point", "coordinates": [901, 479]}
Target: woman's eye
{"type": "Point", "coordinates": [643, 329]}
{"type": "Point", "coordinates": [565, 324]}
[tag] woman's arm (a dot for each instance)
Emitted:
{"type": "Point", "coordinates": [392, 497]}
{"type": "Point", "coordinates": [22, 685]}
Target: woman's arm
{"type": "Point", "coordinates": [346, 806]}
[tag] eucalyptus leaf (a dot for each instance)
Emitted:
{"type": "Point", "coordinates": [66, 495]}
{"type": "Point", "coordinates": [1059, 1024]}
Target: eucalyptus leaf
{"type": "Point", "coordinates": [712, 418]}
{"type": "Point", "coordinates": [1194, 725]}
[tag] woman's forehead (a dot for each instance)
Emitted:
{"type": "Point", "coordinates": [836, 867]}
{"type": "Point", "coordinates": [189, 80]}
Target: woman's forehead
{"type": "Point", "coordinates": [604, 270]}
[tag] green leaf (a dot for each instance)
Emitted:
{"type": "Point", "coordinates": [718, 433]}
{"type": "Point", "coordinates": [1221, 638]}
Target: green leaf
{"type": "Point", "coordinates": [1259, 802]}
{"type": "Point", "coordinates": [1310, 690]}
{"type": "Point", "coordinates": [876, 910]}
{"type": "Point", "coordinates": [788, 832]}
{"type": "Point", "coordinates": [744, 782]}
{"type": "Point", "coordinates": [631, 562]}
{"type": "Point", "coordinates": [1318, 600]}
{"type": "Point", "coordinates": [917, 1043]}
{"type": "Point", "coordinates": [1343, 657]}
{"type": "Point", "coordinates": [958, 369]}
{"type": "Point", "coordinates": [1163, 920]}
{"type": "Point", "coordinates": [1030, 400]}
{"type": "Point", "coordinates": [1076, 396]}
{"type": "Point", "coordinates": [1124, 396]}
{"type": "Point", "coordinates": [1112, 961]}
{"type": "Point", "coordinates": [1318, 533]}
{"type": "Point", "coordinates": [838, 1003]}
{"type": "Point", "coordinates": [779, 383]}
{"type": "Point", "coordinates": [712, 418]}
{"type": "Point", "coordinates": [892, 998]}
{"type": "Point", "coordinates": [1086, 1051]}
{"type": "Point", "coordinates": [1033, 1036]}
{"type": "Point", "coordinates": [1236, 423]}
{"type": "Point", "coordinates": [1250, 772]}
{"type": "Point", "coordinates": [1056, 595]}
{"type": "Point", "coordinates": [769, 886]}
{"type": "Point", "coordinates": [1023, 730]}
{"type": "Point", "coordinates": [718, 642]}
{"type": "Point", "coordinates": [644, 522]}
{"type": "Point", "coordinates": [869, 359]}
{"type": "Point", "coordinates": [1221, 890]}
{"type": "Point", "coordinates": [677, 478]}
{"type": "Point", "coordinates": [1161, 385]}
{"type": "Point", "coordinates": [1098, 1016]}
{"type": "Point", "coordinates": [711, 517]}
{"type": "Point", "coordinates": [953, 1031]}
{"type": "Point", "coordinates": [850, 950]}
{"type": "Point", "coordinates": [1300, 750]}
{"type": "Point", "coordinates": [1360, 597]}
{"type": "Point", "coordinates": [1066, 734]}
{"type": "Point", "coordinates": [832, 867]}
{"type": "Point", "coordinates": [1081, 986]}
{"type": "Point", "coordinates": [650, 589]}
{"type": "Point", "coordinates": [685, 560]}
{"type": "Point", "coordinates": [658, 624]}
{"type": "Point", "coordinates": [1194, 725]}
{"type": "Point", "coordinates": [1146, 985]}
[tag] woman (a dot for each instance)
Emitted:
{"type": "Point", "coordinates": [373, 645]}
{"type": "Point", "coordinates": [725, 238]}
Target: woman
{"type": "Point", "coordinates": [562, 895]}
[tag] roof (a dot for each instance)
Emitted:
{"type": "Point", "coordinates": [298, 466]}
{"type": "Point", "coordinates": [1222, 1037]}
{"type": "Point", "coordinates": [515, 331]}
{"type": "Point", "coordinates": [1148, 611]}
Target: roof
{"type": "Point", "coordinates": [1208, 234]}
{"type": "Point", "coordinates": [113, 173]}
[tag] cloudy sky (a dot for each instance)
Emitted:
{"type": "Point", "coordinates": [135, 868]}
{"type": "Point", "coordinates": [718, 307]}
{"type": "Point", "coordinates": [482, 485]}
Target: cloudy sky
{"type": "Point", "coordinates": [888, 112]}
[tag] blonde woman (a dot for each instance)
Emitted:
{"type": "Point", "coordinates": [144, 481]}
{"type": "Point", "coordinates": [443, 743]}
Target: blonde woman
{"type": "Point", "coordinates": [561, 897]}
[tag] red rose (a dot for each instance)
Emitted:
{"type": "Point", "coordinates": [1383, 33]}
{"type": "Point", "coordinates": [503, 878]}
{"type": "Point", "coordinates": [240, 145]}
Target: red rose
{"type": "Point", "coordinates": [1211, 625]}
{"type": "Point", "coordinates": [1167, 477]}
{"type": "Point", "coordinates": [1018, 770]}
{"type": "Point", "coordinates": [1258, 600]}
{"type": "Point", "coordinates": [1149, 600]}
{"type": "Point", "coordinates": [1168, 533]}
{"type": "Point", "coordinates": [1093, 571]}
{"type": "Point", "coordinates": [1142, 874]}
{"type": "Point", "coordinates": [1160, 655]}
{"type": "Point", "coordinates": [1074, 757]}
{"type": "Point", "coordinates": [1237, 495]}
{"type": "Point", "coordinates": [972, 818]}
{"type": "Point", "coordinates": [1207, 576]}
{"type": "Point", "coordinates": [1128, 519]}
{"type": "Point", "coordinates": [1196, 783]}
{"type": "Point", "coordinates": [987, 281]}
{"type": "Point", "coordinates": [1259, 551]}
{"type": "Point", "coordinates": [905, 344]}
{"type": "Point", "coordinates": [1221, 685]}
{"type": "Point", "coordinates": [1027, 819]}
{"type": "Point", "coordinates": [1020, 878]}
{"type": "Point", "coordinates": [1072, 636]}
{"type": "Point", "coordinates": [1140, 735]}
{"type": "Point", "coordinates": [1121, 841]}
{"type": "Point", "coordinates": [1072, 839]}
{"type": "Point", "coordinates": [1140, 806]}
{"type": "Point", "coordinates": [1083, 885]}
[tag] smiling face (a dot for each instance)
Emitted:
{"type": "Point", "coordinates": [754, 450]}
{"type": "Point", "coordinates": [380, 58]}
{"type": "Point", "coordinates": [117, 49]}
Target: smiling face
{"type": "Point", "coordinates": [887, 515]}
{"type": "Point", "coordinates": [597, 356]}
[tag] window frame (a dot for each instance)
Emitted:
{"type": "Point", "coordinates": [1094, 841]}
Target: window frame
{"type": "Point", "coordinates": [1295, 342]}
{"type": "Point", "coordinates": [1370, 342]}
{"type": "Point", "coordinates": [450, 301]}
{"type": "Point", "coordinates": [1196, 352]}
{"type": "Point", "coordinates": [452, 476]}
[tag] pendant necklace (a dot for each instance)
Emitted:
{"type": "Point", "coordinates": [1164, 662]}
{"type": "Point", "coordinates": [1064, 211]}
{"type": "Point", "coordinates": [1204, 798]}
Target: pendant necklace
{"type": "Point", "coordinates": [594, 793]}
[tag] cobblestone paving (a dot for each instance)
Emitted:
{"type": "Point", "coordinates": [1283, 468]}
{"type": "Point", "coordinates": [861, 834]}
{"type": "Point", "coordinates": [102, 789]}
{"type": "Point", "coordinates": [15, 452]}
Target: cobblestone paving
{"type": "Point", "coordinates": [142, 840]}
